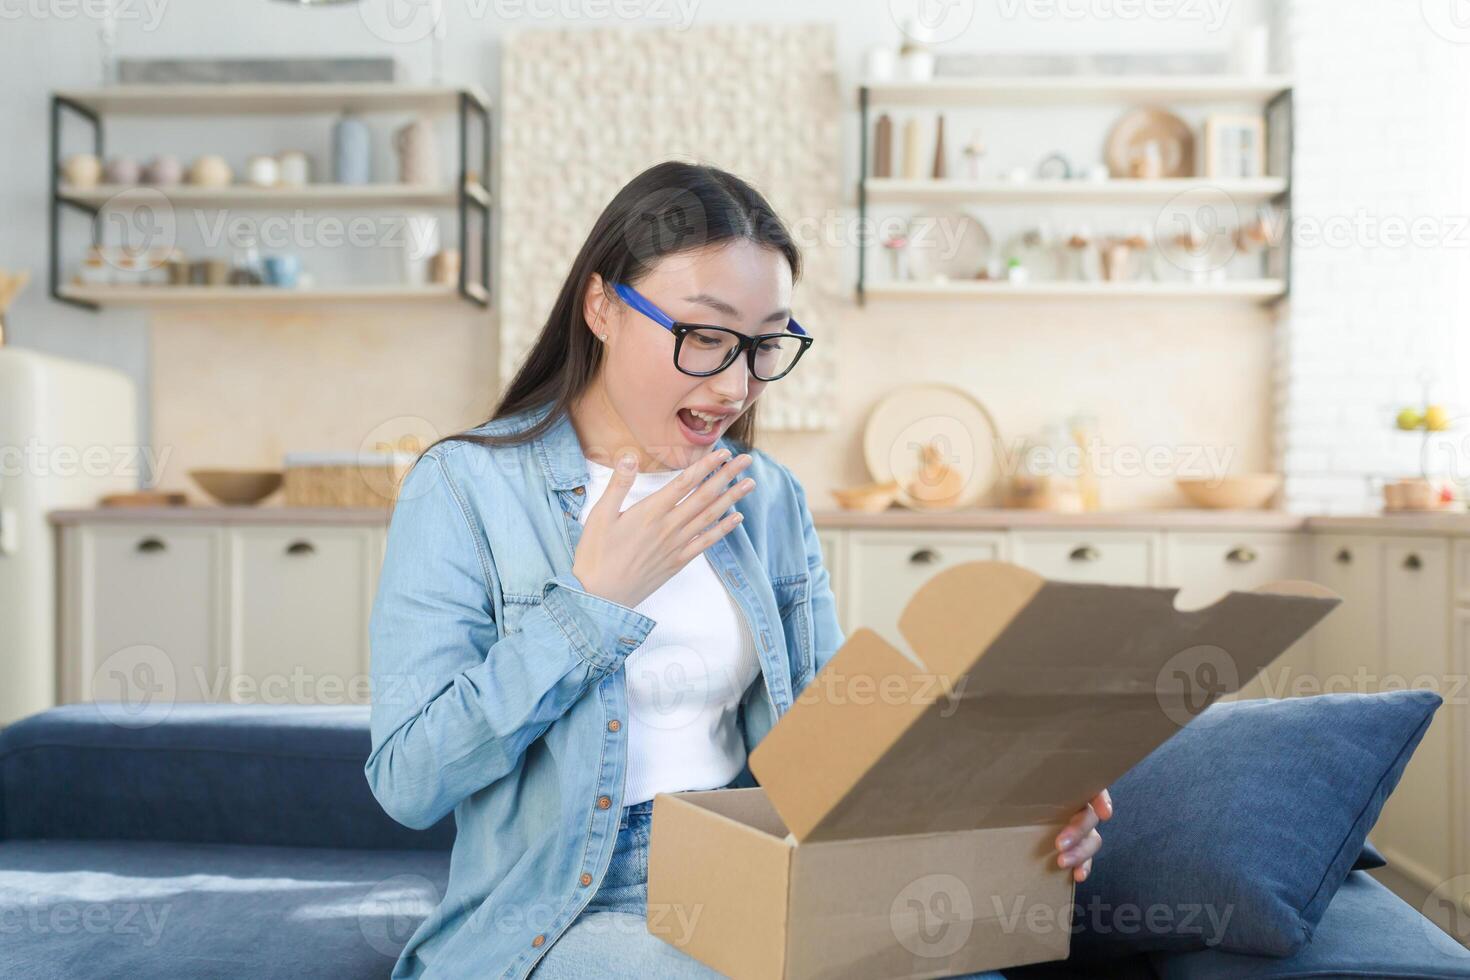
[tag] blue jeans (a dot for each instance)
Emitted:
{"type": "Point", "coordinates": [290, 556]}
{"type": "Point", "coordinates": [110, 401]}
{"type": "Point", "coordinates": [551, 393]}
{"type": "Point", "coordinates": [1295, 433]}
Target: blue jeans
{"type": "Point", "coordinates": [610, 938]}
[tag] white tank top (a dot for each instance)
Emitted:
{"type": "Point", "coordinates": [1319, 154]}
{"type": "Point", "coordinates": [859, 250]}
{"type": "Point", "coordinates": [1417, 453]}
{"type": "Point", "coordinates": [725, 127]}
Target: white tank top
{"type": "Point", "coordinates": [685, 681]}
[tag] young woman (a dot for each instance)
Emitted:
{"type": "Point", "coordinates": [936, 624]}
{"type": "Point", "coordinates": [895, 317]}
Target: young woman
{"type": "Point", "coordinates": [579, 609]}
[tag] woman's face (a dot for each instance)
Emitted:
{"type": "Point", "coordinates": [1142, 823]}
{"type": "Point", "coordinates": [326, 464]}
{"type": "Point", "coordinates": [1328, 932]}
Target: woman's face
{"type": "Point", "coordinates": [645, 398]}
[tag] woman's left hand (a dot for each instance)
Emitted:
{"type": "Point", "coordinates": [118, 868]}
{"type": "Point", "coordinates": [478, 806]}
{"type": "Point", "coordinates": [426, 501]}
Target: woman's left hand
{"type": "Point", "coordinates": [1079, 840]}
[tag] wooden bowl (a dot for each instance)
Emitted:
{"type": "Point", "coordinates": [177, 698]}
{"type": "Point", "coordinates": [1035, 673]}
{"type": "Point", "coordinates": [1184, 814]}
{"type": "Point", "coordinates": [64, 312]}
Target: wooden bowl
{"type": "Point", "coordinates": [238, 486]}
{"type": "Point", "coordinates": [1250, 491]}
{"type": "Point", "coordinates": [870, 497]}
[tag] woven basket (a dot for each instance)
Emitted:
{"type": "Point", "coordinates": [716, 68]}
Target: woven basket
{"type": "Point", "coordinates": [344, 479]}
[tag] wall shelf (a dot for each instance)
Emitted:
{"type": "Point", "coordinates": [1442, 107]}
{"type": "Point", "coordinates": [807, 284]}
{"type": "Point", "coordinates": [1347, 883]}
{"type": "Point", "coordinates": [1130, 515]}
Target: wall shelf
{"type": "Point", "coordinates": [1251, 191]}
{"type": "Point", "coordinates": [1270, 94]}
{"type": "Point", "coordinates": [1256, 290]}
{"type": "Point", "coordinates": [1079, 89]}
{"type": "Point", "coordinates": [311, 195]}
{"type": "Point", "coordinates": [464, 194]}
{"type": "Point", "coordinates": [270, 99]}
{"type": "Point", "coordinates": [221, 296]}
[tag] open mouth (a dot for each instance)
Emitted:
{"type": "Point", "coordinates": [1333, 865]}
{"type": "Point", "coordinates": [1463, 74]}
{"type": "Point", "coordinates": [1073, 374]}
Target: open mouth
{"type": "Point", "coordinates": [699, 422]}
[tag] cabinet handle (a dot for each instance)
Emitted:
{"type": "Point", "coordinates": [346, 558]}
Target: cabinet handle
{"type": "Point", "coordinates": [1344, 557]}
{"type": "Point", "coordinates": [924, 556]}
{"type": "Point", "coordinates": [300, 548]}
{"type": "Point", "coordinates": [1413, 563]}
{"type": "Point", "coordinates": [149, 545]}
{"type": "Point", "coordinates": [1085, 552]}
{"type": "Point", "coordinates": [1241, 555]}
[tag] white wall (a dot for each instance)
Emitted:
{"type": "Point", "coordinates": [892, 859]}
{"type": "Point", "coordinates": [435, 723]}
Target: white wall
{"type": "Point", "coordinates": [1381, 267]}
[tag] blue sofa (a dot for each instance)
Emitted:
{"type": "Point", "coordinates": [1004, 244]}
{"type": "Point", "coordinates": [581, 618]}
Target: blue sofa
{"type": "Point", "coordinates": [225, 841]}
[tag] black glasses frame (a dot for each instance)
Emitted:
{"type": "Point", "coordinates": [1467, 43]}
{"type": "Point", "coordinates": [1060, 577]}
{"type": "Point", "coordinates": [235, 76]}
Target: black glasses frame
{"type": "Point", "coordinates": [743, 342]}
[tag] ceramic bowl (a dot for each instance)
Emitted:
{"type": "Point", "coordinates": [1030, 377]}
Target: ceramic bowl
{"type": "Point", "coordinates": [1249, 491]}
{"type": "Point", "coordinates": [238, 486]}
{"type": "Point", "coordinates": [870, 497]}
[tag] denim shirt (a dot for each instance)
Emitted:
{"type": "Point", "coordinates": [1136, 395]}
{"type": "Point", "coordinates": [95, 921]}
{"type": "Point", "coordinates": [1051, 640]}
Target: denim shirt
{"type": "Point", "coordinates": [498, 692]}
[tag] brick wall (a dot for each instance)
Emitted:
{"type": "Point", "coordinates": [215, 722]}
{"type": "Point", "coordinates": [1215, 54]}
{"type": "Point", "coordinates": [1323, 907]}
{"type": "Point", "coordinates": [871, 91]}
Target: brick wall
{"type": "Point", "coordinates": [1381, 265]}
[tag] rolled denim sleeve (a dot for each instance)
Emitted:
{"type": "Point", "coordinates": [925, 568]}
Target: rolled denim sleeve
{"type": "Point", "coordinates": [455, 703]}
{"type": "Point", "coordinates": [601, 631]}
{"type": "Point", "coordinates": [827, 635]}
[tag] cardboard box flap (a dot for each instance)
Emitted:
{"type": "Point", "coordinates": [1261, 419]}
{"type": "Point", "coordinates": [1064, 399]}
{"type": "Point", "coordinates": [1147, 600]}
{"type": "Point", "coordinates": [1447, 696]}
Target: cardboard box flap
{"type": "Point", "coordinates": [1031, 696]}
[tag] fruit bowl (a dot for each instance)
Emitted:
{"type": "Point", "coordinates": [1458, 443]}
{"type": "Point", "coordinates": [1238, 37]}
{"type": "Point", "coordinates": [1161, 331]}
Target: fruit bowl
{"type": "Point", "coordinates": [1249, 491]}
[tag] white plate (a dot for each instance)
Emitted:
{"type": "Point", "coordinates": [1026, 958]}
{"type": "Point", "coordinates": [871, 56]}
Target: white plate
{"type": "Point", "coordinates": [946, 245]}
{"type": "Point", "coordinates": [913, 416]}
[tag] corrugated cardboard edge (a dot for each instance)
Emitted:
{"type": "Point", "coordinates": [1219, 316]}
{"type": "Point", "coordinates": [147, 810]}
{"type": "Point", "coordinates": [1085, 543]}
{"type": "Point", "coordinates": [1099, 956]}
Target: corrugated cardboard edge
{"type": "Point", "coordinates": [1298, 587]}
{"type": "Point", "coordinates": [740, 924]}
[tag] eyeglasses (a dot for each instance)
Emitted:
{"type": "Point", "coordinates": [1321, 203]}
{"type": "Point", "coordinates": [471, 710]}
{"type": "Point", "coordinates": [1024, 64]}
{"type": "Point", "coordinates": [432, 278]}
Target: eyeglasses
{"type": "Point", "coordinates": [702, 349]}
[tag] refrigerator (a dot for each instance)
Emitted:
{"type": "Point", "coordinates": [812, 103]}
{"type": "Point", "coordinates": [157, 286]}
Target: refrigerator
{"type": "Point", "coordinates": [68, 436]}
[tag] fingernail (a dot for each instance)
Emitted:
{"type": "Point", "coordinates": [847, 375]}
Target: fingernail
{"type": "Point", "coordinates": [626, 463]}
{"type": "Point", "coordinates": [1065, 842]}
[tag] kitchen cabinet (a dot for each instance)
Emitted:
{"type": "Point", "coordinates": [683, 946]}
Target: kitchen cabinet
{"type": "Point", "coordinates": [1107, 557]}
{"type": "Point", "coordinates": [179, 612]}
{"type": "Point", "coordinates": [885, 568]}
{"type": "Point", "coordinates": [1398, 627]}
{"type": "Point", "coordinates": [300, 598]}
{"type": "Point", "coordinates": [1205, 565]}
{"type": "Point", "coordinates": [142, 613]}
{"type": "Point", "coordinates": [833, 553]}
{"type": "Point", "coordinates": [1416, 826]}
{"type": "Point", "coordinates": [1348, 644]}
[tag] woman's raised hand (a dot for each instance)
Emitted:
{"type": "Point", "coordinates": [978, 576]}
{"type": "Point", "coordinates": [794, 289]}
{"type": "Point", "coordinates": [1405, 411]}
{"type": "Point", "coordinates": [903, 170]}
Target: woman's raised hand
{"type": "Point", "coordinates": [625, 555]}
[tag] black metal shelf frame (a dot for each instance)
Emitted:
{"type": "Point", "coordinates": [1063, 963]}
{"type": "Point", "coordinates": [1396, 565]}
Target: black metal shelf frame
{"type": "Point", "coordinates": [475, 291]}
{"type": "Point", "coordinates": [59, 105]}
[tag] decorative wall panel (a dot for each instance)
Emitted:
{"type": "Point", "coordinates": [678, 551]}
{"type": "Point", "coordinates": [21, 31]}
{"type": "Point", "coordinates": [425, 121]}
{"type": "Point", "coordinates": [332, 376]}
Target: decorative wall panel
{"type": "Point", "coordinates": [584, 111]}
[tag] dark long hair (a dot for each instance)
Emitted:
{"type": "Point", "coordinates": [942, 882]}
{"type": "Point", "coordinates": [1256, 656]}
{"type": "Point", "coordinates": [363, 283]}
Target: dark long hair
{"type": "Point", "coordinates": [669, 208]}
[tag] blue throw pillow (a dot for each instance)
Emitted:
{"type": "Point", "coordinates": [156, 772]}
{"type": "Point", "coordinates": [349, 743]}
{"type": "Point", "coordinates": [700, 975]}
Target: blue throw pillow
{"type": "Point", "coordinates": [1236, 833]}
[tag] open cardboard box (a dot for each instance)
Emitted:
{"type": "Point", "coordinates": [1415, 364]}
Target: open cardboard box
{"type": "Point", "coordinates": [908, 804]}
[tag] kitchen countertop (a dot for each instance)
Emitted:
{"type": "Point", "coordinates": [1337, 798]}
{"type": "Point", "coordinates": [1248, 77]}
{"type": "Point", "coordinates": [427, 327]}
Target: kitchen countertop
{"type": "Point", "coordinates": [1003, 518]}
{"type": "Point", "coordinates": [208, 514]}
{"type": "Point", "coordinates": [1456, 522]}
{"type": "Point", "coordinates": [897, 518]}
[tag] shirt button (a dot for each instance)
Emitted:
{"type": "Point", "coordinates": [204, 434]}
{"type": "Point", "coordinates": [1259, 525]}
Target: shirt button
{"type": "Point", "coordinates": [603, 802]}
{"type": "Point", "coordinates": [614, 725]}
{"type": "Point", "coordinates": [579, 491]}
{"type": "Point", "coordinates": [539, 940]}
{"type": "Point", "coordinates": [586, 879]}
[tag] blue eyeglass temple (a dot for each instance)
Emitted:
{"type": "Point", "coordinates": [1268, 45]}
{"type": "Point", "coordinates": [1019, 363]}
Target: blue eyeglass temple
{"type": "Point", "coordinates": [640, 303]}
